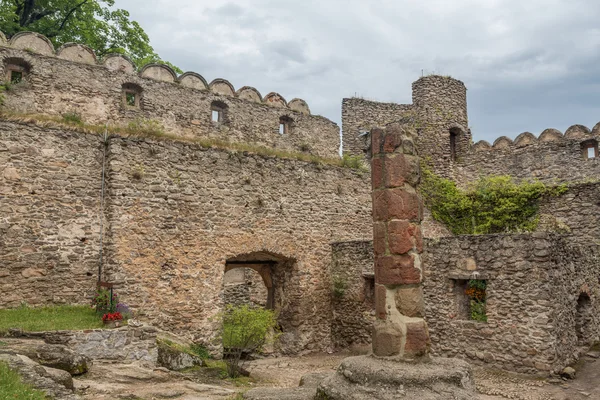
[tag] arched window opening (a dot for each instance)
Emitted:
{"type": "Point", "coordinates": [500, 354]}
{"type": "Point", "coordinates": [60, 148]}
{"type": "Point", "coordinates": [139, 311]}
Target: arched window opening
{"type": "Point", "coordinates": [218, 112]}
{"type": "Point", "coordinates": [589, 149]}
{"type": "Point", "coordinates": [454, 132]}
{"type": "Point", "coordinates": [131, 95]}
{"type": "Point", "coordinates": [16, 70]}
{"type": "Point", "coordinates": [285, 125]}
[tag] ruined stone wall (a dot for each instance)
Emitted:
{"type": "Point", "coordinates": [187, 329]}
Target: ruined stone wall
{"type": "Point", "coordinates": [552, 157]}
{"type": "Point", "coordinates": [576, 277]}
{"type": "Point", "coordinates": [533, 284]}
{"type": "Point", "coordinates": [174, 213]}
{"type": "Point", "coordinates": [353, 308]}
{"type": "Point", "coordinates": [50, 185]}
{"type": "Point", "coordinates": [71, 81]}
{"type": "Point", "coordinates": [526, 317]}
{"type": "Point", "coordinates": [577, 211]}
{"type": "Point", "coordinates": [179, 211]}
{"type": "Point", "coordinates": [247, 288]}
{"type": "Point", "coordinates": [360, 115]}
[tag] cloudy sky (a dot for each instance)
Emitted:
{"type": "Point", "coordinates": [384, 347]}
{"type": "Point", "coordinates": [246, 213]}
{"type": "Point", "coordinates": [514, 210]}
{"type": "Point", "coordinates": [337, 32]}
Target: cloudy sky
{"type": "Point", "coordinates": [528, 64]}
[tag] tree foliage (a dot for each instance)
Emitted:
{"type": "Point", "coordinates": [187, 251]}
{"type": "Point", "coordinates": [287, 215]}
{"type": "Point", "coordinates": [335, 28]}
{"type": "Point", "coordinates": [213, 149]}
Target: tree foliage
{"type": "Point", "coordinates": [95, 23]}
{"type": "Point", "coordinates": [492, 204]}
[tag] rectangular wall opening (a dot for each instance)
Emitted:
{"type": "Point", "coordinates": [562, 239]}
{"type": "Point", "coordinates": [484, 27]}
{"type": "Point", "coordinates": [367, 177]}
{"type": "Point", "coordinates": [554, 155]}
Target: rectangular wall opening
{"type": "Point", "coordinates": [471, 298]}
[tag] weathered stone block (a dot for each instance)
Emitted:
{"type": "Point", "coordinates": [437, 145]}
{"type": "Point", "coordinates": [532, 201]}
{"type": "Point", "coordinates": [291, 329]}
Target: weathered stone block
{"type": "Point", "coordinates": [404, 236]}
{"type": "Point", "coordinates": [401, 169]}
{"type": "Point", "coordinates": [387, 339]}
{"type": "Point", "coordinates": [409, 301]}
{"type": "Point", "coordinates": [417, 339]}
{"type": "Point", "coordinates": [380, 301]}
{"type": "Point", "coordinates": [397, 270]}
{"type": "Point", "coordinates": [396, 203]}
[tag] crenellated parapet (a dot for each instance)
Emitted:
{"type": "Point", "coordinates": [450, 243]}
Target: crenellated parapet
{"type": "Point", "coordinates": [504, 143]}
{"type": "Point", "coordinates": [550, 156]}
{"type": "Point", "coordinates": [111, 89]}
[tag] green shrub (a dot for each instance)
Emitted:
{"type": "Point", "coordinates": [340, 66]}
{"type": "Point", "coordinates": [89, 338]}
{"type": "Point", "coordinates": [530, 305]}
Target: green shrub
{"type": "Point", "coordinates": [12, 387]}
{"type": "Point", "coordinates": [492, 204]}
{"type": "Point", "coordinates": [246, 330]}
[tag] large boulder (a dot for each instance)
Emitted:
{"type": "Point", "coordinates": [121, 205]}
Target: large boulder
{"type": "Point", "coordinates": [372, 378]}
{"type": "Point", "coordinates": [60, 357]}
{"type": "Point", "coordinates": [175, 358]}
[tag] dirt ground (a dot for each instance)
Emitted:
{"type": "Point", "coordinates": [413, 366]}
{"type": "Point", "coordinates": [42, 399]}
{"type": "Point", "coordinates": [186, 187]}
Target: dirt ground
{"type": "Point", "coordinates": [138, 381]}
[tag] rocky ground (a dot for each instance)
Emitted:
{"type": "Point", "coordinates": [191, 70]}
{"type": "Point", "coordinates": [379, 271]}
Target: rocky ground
{"type": "Point", "coordinates": [143, 380]}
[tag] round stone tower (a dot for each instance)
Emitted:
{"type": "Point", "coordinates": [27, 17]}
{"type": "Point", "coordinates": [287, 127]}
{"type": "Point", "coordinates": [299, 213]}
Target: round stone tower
{"type": "Point", "coordinates": [441, 106]}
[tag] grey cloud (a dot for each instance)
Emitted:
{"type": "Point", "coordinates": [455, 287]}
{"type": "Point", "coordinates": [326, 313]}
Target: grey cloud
{"type": "Point", "coordinates": [528, 65]}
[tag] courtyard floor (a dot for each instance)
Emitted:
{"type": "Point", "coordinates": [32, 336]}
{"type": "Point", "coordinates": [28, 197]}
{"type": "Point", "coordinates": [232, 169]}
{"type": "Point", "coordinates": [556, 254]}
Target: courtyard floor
{"type": "Point", "coordinates": [131, 381]}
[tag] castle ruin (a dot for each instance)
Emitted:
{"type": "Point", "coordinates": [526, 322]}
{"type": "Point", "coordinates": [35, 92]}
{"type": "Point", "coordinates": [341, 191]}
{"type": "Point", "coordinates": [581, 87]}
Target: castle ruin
{"type": "Point", "coordinates": [225, 180]}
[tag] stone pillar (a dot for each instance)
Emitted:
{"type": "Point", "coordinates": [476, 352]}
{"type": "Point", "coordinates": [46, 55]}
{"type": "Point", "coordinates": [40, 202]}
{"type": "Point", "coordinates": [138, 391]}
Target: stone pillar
{"type": "Point", "coordinates": [400, 329]}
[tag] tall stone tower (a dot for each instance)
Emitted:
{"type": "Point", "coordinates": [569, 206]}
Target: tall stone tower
{"type": "Point", "coordinates": [440, 104]}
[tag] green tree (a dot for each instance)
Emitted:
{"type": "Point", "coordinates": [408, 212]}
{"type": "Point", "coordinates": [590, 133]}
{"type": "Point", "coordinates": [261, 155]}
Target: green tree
{"type": "Point", "coordinates": [95, 23]}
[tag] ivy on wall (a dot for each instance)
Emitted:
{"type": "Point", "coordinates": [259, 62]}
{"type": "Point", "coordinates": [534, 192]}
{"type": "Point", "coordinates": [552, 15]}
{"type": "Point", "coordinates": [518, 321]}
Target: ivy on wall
{"type": "Point", "coordinates": [492, 204]}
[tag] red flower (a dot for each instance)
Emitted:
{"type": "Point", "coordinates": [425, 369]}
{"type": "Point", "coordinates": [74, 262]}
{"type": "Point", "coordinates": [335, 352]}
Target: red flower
{"type": "Point", "coordinates": [112, 317]}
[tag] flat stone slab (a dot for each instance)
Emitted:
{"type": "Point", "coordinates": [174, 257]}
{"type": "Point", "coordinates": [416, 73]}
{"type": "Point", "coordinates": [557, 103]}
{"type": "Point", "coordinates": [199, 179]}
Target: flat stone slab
{"type": "Point", "coordinates": [371, 378]}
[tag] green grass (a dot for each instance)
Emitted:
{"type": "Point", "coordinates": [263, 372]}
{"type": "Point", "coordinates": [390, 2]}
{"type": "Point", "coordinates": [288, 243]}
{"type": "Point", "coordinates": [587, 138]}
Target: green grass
{"type": "Point", "coordinates": [49, 318]}
{"type": "Point", "coordinates": [11, 386]}
{"type": "Point", "coordinates": [193, 349]}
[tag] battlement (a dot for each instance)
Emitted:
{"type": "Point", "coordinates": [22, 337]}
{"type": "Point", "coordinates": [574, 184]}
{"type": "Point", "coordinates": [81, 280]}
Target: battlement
{"type": "Point", "coordinates": [73, 80]}
{"type": "Point", "coordinates": [575, 132]}
{"type": "Point", "coordinates": [552, 156]}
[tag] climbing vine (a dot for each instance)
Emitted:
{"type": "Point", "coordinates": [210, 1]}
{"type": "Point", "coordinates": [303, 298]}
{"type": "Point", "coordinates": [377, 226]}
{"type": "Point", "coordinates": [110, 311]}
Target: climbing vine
{"type": "Point", "coordinates": [492, 204]}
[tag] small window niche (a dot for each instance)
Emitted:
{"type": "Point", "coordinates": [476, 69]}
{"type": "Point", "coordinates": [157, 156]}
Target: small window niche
{"type": "Point", "coordinates": [454, 134]}
{"type": "Point", "coordinates": [471, 299]}
{"type": "Point", "coordinates": [589, 148]}
{"type": "Point", "coordinates": [131, 95]}
{"type": "Point", "coordinates": [369, 291]}
{"type": "Point", "coordinates": [16, 70]}
{"type": "Point", "coordinates": [285, 125]}
{"type": "Point", "coordinates": [218, 112]}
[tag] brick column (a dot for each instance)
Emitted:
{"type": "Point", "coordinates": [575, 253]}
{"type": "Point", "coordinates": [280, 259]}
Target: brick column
{"type": "Point", "coordinates": [399, 329]}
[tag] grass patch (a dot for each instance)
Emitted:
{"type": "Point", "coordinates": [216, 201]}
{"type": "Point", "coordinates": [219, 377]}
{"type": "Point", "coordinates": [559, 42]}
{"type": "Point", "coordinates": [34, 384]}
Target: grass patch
{"type": "Point", "coordinates": [153, 130]}
{"type": "Point", "coordinates": [49, 318]}
{"type": "Point", "coordinates": [193, 349]}
{"type": "Point", "coordinates": [12, 387]}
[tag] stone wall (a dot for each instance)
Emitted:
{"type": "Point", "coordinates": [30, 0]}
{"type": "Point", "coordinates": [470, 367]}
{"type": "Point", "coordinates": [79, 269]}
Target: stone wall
{"type": "Point", "coordinates": [124, 344]}
{"type": "Point", "coordinates": [178, 212]}
{"type": "Point", "coordinates": [56, 85]}
{"type": "Point", "coordinates": [50, 185]}
{"type": "Point", "coordinates": [353, 307]}
{"type": "Point", "coordinates": [534, 282]}
{"type": "Point", "coordinates": [175, 213]}
{"type": "Point", "coordinates": [553, 157]}
{"type": "Point", "coordinates": [244, 286]}
{"type": "Point", "coordinates": [526, 318]}
{"type": "Point", "coordinates": [360, 115]}
{"type": "Point", "coordinates": [578, 210]}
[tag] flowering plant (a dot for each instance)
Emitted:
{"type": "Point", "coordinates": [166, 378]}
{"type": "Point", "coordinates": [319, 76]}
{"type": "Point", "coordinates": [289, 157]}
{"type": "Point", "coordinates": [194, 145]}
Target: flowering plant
{"type": "Point", "coordinates": [124, 310]}
{"type": "Point", "coordinates": [116, 316]}
{"type": "Point", "coordinates": [104, 302]}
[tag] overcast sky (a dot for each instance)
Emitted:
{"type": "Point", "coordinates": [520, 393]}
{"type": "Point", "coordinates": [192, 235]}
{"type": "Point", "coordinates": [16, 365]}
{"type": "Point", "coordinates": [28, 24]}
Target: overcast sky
{"type": "Point", "coordinates": [528, 64]}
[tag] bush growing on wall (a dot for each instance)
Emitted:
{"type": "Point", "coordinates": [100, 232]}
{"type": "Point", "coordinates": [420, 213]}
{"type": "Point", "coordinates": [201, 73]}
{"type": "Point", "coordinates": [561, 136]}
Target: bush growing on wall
{"type": "Point", "coordinates": [492, 204]}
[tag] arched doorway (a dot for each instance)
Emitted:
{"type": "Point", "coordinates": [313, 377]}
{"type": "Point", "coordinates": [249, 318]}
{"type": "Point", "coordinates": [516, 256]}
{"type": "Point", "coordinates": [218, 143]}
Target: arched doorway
{"type": "Point", "coordinates": [264, 279]}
